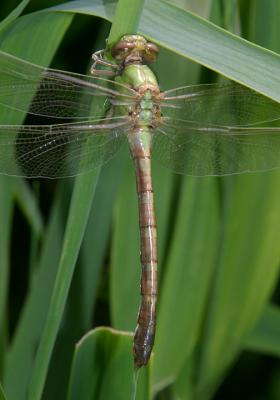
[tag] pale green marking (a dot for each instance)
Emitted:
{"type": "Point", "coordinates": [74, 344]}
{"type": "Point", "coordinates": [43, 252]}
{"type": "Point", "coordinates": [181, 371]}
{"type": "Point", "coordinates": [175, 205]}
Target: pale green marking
{"type": "Point", "coordinates": [137, 75]}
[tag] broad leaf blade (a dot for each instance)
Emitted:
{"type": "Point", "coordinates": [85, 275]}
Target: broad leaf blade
{"type": "Point", "coordinates": [186, 281]}
{"type": "Point", "coordinates": [248, 266]}
{"type": "Point", "coordinates": [201, 41]}
{"type": "Point", "coordinates": [103, 368]}
{"type": "Point", "coordinates": [246, 271]}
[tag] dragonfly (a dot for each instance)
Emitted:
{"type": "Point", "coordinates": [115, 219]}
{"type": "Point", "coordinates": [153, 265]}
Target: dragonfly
{"type": "Point", "coordinates": [203, 130]}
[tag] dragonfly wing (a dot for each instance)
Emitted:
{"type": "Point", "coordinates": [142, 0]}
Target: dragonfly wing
{"type": "Point", "coordinates": [219, 104]}
{"type": "Point", "coordinates": [47, 92]}
{"type": "Point", "coordinates": [206, 150]}
{"type": "Point", "coordinates": [56, 151]}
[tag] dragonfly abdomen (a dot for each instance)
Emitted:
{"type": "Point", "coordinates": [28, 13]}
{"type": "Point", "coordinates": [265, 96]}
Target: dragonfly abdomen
{"type": "Point", "coordinates": [140, 146]}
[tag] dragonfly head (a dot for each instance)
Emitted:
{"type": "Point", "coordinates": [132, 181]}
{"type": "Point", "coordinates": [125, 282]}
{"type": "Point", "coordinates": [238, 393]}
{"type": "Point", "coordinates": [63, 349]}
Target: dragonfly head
{"type": "Point", "coordinates": [134, 49]}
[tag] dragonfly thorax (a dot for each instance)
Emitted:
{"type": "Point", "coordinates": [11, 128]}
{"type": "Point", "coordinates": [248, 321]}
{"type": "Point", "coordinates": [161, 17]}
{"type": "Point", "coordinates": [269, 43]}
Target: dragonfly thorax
{"type": "Point", "coordinates": [146, 112]}
{"type": "Point", "coordinates": [145, 117]}
{"type": "Point", "coordinates": [141, 79]}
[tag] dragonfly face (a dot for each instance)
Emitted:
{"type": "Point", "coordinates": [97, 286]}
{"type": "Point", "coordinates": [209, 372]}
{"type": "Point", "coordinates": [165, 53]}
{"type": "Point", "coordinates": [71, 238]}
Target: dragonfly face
{"type": "Point", "coordinates": [134, 49]}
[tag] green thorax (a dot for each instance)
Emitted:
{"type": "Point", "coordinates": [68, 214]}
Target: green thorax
{"type": "Point", "coordinates": [143, 80]}
{"type": "Point", "coordinates": [138, 75]}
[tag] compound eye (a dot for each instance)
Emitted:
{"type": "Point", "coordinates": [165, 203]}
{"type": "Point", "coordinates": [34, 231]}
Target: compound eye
{"type": "Point", "coordinates": [152, 47]}
{"type": "Point", "coordinates": [151, 52]}
{"type": "Point", "coordinates": [121, 47]}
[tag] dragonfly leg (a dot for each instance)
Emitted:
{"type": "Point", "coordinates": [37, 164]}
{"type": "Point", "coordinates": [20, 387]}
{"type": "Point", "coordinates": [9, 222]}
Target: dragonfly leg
{"type": "Point", "coordinates": [99, 59]}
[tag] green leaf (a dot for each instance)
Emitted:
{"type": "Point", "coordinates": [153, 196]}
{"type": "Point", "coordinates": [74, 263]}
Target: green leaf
{"type": "Point", "coordinates": [97, 233]}
{"type": "Point", "coordinates": [164, 185]}
{"type": "Point", "coordinates": [125, 260]}
{"type": "Point", "coordinates": [22, 31]}
{"type": "Point", "coordinates": [246, 271]}
{"type": "Point", "coordinates": [82, 297]}
{"type": "Point", "coordinates": [201, 7]}
{"type": "Point", "coordinates": [14, 14]}
{"type": "Point", "coordinates": [264, 11]}
{"type": "Point", "coordinates": [247, 268]}
{"type": "Point", "coordinates": [201, 41]}
{"type": "Point", "coordinates": [29, 205]}
{"type": "Point", "coordinates": [125, 264]}
{"type": "Point", "coordinates": [188, 270]}
{"type": "Point", "coordinates": [126, 19]}
{"type": "Point", "coordinates": [2, 394]}
{"type": "Point", "coordinates": [20, 356]}
{"type": "Point", "coordinates": [183, 387]}
{"type": "Point", "coordinates": [34, 30]}
{"type": "Point", "coordinates": [100, 8]}
{"type": "Point", "coordinates": [82, 196]}
{"type": "Point", "coordinates": [6, 211]}
{"type": "Point", "coordinates": [103, 368]}
{"type": "Point", "coordinates": [264, 337]}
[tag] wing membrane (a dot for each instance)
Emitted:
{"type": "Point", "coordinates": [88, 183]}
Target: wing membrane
{"type": "Point", "coordinates": [202, 150]}
{"type": "Point", "coordinates": [47, 92]}
{"type": "Point", "coordinates": [219, 104]}
{"type": "Point", "coordinates": [61, 150]}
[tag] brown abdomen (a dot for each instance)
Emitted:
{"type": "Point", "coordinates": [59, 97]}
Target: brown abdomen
{"type": "Point", "coordinates": [145, 330]}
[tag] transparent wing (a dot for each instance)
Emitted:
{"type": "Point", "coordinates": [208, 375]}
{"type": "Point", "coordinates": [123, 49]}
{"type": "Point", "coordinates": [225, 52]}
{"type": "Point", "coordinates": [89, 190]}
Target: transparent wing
{"type": "Point", "coordinates": [30, 88]}
{"type": "Point", "coordinates": [202, 150]}
{"type": "Point", "coordinates": [219, 104]}
{"type": "Point", "coordinates": [62, 150]}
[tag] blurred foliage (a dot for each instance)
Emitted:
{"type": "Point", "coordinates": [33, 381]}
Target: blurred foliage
{"type": "Point", "coordinates": [218, 242]}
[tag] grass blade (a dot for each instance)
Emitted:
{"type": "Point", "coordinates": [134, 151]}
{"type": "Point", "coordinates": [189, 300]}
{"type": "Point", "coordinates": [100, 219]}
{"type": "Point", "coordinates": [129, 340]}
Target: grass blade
{"type": "Point", "coordinates": [187, 273]}
{"type": "Point", "coordinates": [201, 41]}
{"type": "Point", "coordinates": [246, 272]}
{"type": "Point", "coordinates": [6, 212]}
{"type": "Point", "coordinates": [126, 19]}
{"type": "Point", "coordinates": [33, 30]}
{"type": "Point", "coordinates": [83, 193]}
{"type": "Point", "coordinates": [264, 337]}
{"type": "Point", "coordinates": [14, 14]}
{"type": "Point", "coordinates": [28, 205]}
{"type": "Point", "coordinates": [2, 395]}
{"type": "Point", "coordinates": [97, 233]}
{"type": "Point", "coordinates": [20, 356]}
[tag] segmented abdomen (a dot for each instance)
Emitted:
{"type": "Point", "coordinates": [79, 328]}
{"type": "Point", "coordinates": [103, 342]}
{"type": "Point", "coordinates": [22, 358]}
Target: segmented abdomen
{"type": "Point", "coordinates": [140, 146]}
